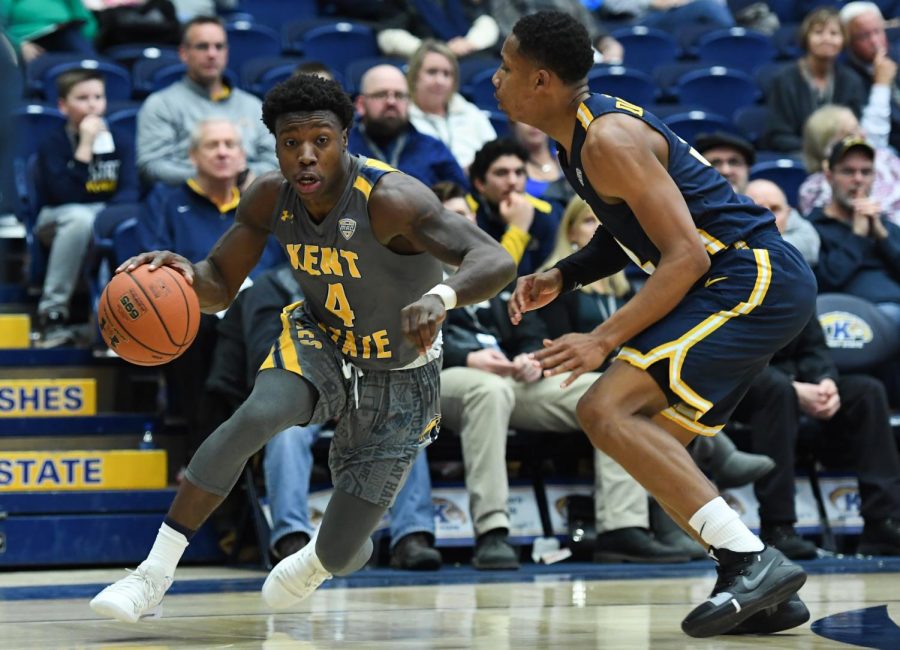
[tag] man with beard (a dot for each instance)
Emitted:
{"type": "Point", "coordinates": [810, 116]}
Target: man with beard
{"type": "Point", "coordinates": [383, 131]}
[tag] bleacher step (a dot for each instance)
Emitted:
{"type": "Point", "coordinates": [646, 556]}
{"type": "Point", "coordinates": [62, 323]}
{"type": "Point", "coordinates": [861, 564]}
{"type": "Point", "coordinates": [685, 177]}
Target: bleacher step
{"type": "Point", "coordinates": [89, 528]}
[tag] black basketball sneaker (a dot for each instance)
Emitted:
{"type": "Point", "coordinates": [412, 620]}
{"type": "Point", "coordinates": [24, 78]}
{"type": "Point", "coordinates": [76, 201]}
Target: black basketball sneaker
{"type": "Point", "coordinates": [777, 618]}
{"type": "Point", "coordinates": [747, 583]}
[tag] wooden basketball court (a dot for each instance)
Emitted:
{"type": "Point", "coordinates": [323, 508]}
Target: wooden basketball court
{"type": "Point", "coordinates": [853, 603]}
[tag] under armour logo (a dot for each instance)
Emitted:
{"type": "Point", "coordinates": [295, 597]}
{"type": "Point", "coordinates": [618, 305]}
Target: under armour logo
{"type": "Point", "coordinates": [287, 216]}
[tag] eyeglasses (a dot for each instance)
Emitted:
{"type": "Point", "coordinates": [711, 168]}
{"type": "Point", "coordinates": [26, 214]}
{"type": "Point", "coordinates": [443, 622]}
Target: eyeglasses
{"type": "Point", "coordinates": [382, 95]}
{"type": "Point", "coordinates": [203, 47]}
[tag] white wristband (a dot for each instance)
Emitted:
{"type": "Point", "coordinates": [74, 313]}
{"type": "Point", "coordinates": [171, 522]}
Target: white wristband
{"type": "Point", "coordinates": [445, 293]}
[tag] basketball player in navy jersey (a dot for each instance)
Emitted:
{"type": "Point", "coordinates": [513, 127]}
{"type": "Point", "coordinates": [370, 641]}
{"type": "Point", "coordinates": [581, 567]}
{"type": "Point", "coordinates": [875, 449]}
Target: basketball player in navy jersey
{"type": "Point", "coordinates": [724, 293]}
{"type": "Point", "coordinates": [366, 243]}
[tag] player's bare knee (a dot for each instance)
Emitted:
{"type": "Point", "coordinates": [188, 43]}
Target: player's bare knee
{"type": "Point", "coordinates": [599, 419]}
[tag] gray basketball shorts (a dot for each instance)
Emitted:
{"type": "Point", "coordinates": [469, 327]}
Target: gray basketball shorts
{"type": "Point", "coordinates": [384, 416]}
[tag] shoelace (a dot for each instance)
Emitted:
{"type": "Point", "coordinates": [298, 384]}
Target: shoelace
{"type": "Point", "coordinates": [728, 574]}
{"type": "Point", "coordinates": [140, 588]}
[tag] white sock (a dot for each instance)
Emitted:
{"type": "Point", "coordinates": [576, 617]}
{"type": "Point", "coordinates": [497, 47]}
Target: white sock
{"type": "Point", "coordinates": [721, 527]}
{"type": "Point", "coordinates": [167, 550]}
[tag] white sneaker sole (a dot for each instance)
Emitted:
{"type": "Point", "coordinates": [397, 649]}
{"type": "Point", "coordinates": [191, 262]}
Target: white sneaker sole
{"type": "Point", "coordinates": [111, 609]}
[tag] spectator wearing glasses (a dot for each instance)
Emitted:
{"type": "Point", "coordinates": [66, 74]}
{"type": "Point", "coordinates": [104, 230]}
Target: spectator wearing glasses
{"type": "Point", "coordinates": [383, 130]}
{"type": "Point", "coordinates": [168, 117]}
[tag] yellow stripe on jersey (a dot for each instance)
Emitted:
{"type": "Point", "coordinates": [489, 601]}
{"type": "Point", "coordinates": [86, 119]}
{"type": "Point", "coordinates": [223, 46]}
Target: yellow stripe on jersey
{"type": "Point", "coordinates": [710, 243]}
{"type": "Point", "coordinates": [363, 186]}
{"type": "Point", "coordinates": [676, 351]}
{"type": "Point", "coordinates": [377, 164]}
{"type": "Point", "coordinates": [584, 115]}
{"type": "Point", "coordinates": [284, 347]}
{"type": "Point", "coordinates": [690, 425]}
{"type": "Point", "coordinates": [472, 202]}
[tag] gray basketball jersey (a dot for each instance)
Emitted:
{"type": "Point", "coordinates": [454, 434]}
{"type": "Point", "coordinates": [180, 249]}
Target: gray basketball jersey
{"type": "Point", "coordinates": [354, 287]}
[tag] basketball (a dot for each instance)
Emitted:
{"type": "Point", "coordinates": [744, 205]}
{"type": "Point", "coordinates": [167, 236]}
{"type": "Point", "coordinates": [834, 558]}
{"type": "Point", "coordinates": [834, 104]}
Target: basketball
{"type": "Point", "coordinates": [148, 318]}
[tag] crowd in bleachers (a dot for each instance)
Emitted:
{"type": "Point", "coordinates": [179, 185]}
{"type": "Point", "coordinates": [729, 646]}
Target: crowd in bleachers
{"type": "Point", "coordinates": [136, 126]}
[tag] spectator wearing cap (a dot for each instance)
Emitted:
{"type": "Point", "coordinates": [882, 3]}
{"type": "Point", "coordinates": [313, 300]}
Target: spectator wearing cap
{"type": "Point", "coordinates": [731, 155]}
{"type": "Point", "coordinates": [860, 252]}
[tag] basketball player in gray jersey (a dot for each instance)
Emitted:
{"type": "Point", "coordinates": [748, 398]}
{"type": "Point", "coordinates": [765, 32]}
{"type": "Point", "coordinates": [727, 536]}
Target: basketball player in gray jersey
{"type": "Point", "coordinates": [366, 244]}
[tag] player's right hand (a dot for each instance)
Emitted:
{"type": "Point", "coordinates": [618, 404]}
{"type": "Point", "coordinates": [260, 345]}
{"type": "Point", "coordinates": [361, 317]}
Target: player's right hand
{"type": "Point", "coordinates": [156, 259]}
{"type": "Point", "coordinates": [533, 292]}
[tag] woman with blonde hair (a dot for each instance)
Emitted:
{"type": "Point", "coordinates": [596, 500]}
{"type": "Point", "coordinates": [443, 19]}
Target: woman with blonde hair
{"type": "Point", "coordinates": [824, 126]}
{"type": "Point", "coordinates": [437, 109]}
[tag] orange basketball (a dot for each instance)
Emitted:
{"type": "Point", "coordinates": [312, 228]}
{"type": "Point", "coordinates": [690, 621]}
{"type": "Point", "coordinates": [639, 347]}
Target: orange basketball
{"type": "Point", "coordinates": [148, 318]}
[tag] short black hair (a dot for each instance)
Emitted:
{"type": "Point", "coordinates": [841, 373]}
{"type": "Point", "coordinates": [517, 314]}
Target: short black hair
{"type": "Point", "coordinates": [557, 41]}
{"type": "Point", "coordinates": [493, 150]}
{"type": "Point", "coordinates": [305, 93]}
{"type": "Point", "coordinates": [201, 20]}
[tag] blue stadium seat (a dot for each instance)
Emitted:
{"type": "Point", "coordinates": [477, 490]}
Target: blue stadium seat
{"type": "Point", "coordinates": [499, 121]}
{"type": "Point", "coordinates": [275, 13]}
{"type": "Point", "coordinates": [471, 66]}
{"type": "Point", "coordinates": [787, 41]}
{"type": "Point", "coordinates": [631, 85]}
{"type": "Point", "coordinates": [127, 55]}
{"type": "Point", "coordinates": [719, 90]}
{"type": "Point", "coordinates": [666, 76]}
{"type": "Point", "coordinates": [248, 41]}
{"type": "Point", "coordinates": [337, 44]}
{"type": "Point", "coordinates": [737, 48]}
{"type": "Point", "coordinates": [786, 173]}
{"type": "Point", "coordinates": [29, 124]}
{"type": "Point", "coordinates": [151, 75]}
{"type": "Point", "coordinates": [645, 47]}
{"type": "Point", "coordinates": [123, 119]}
{"type": "Point", "coordinates": [481, 90]}
{"type": "Point", "coordinates": [688, 34]}
{"type": "Point", "coordinates": [258, 73]}
{"type": "Point", "coordinates": [788, 11]}
{"type": "Point", "coordinates": [859, 336]}
{"type": "Point", "coordinates": [356, 69]}
{"type": "Point", "coordinates": [752, 121]}
{"type": "Point", "coordinates": [689, 125]}
{"type": "Point", "coordinates": [34, 71]}
{"type": "Point", "coordinates": [117, 78]}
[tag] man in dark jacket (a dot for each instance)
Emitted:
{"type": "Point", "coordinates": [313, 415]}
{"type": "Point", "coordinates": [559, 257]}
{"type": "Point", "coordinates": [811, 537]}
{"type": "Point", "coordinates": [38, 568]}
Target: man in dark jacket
{"type": "Point", "coordinates": [854, 429]}
{"type": "Point", "coordinates": [384, 133]}
{"type": "Point", "coordinates": [860, 252]}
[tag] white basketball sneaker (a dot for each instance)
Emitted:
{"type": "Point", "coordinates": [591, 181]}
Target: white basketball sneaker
{"type": "Point", "coordinates": [294, 578]}
{"type": "Point", "coordinates": [136, 596]}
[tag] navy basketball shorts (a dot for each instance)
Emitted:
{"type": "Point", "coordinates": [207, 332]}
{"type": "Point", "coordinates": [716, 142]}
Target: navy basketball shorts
{"type": "Point", "coordinates": [384, 416]}
{"type": "Point", "coordinates": [707, 351]}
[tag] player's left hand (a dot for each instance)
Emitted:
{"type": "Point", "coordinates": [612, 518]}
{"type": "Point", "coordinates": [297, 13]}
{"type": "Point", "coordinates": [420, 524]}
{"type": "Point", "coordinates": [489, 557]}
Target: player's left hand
{"type": "Point", "coordinates": [422, 320]}
{"type": "Point", "coordinates": [573, 353]}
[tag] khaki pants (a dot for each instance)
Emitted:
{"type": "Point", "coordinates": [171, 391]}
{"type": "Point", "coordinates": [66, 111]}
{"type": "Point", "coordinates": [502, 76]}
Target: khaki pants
{"type": "Point", "coordinates": [481, 407]}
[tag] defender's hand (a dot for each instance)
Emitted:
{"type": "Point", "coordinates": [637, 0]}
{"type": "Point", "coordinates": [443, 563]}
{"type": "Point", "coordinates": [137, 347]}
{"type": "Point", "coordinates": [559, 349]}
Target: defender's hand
{"type": "Point", "coordinates": [422, 320]}
{"type": "Point", "coordinates": [533, 292]}
{"type": "Point", "coordinates": [575, 353]}
{"type": "Point", "coordinates": [156, 259]}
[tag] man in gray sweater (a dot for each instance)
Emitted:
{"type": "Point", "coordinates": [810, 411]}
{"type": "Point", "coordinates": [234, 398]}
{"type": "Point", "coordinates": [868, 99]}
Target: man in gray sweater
{"type": "Point", "coordinates": [168, 117]}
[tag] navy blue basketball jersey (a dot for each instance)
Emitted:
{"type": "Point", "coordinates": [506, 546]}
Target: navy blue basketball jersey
{"type": "Point", "coordinates": [722, 217]}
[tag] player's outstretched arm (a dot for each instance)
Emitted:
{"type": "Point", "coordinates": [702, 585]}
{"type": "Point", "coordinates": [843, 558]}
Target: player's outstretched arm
{"type": "Point", "coordinates": [405, 213]}
{"type": "Point", "coordinates": [408, 218]}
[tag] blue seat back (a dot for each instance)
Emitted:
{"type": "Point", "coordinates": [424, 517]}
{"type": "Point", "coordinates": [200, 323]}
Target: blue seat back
{"type": "Point", "coordinates": [737, 48]}
{"type": "Point", "coordinates": [116, 77]}
{"type": "Point", "coordinates": [248, 40]}
{"type": "Point", "coordinates": [338, 43]}
{"type": "Point", "coordinates": [786, 173]}
{"type": "Point", "coordinates": [645, 47]}
{"type": "Point", "coordinates": [689, 125]}
{"type": "Point", "coordinates": [719, 90]}
{"type": "Point", "coordinates": [631, 85]}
